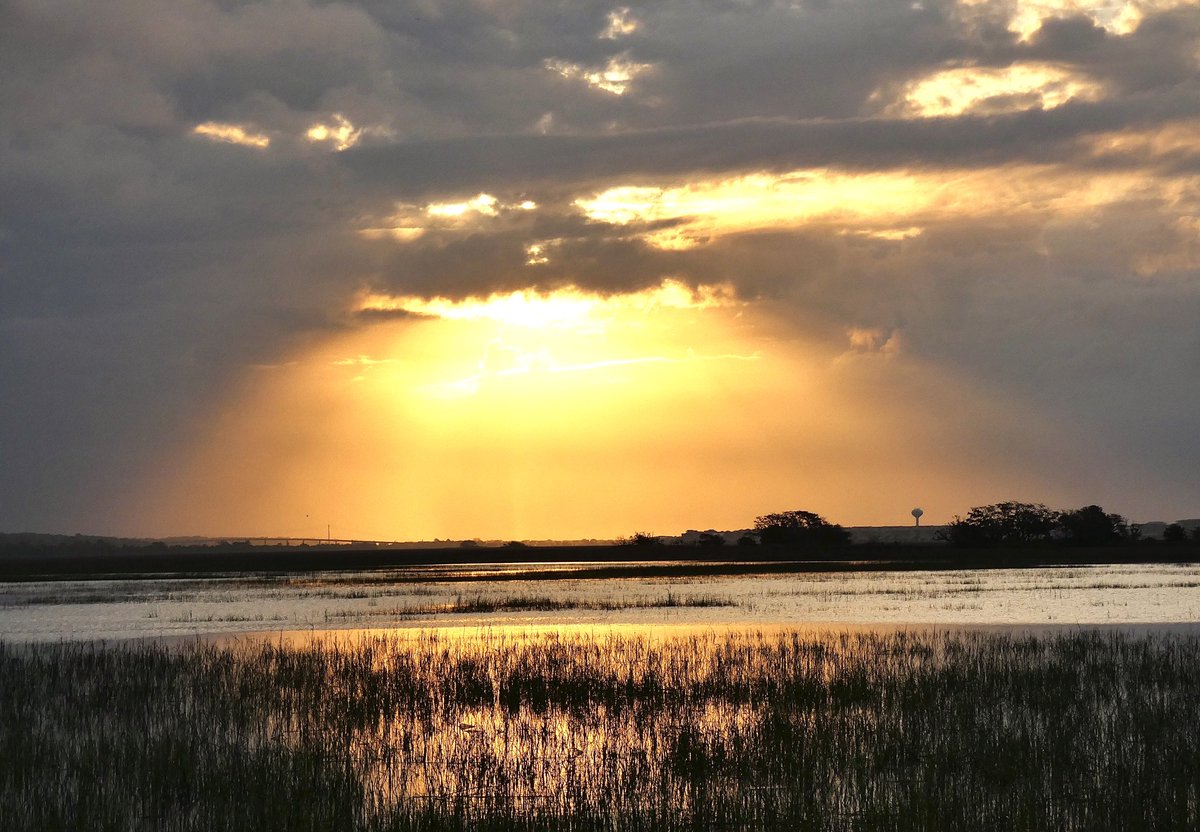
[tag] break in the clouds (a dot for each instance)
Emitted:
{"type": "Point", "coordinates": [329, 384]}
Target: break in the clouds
{"type": "Point", "coordinates": [976, 223]}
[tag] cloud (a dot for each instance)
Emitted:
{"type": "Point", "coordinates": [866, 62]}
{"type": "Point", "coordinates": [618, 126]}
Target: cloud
{"type": "Point", "coordinates": [616, 76]}
{"type": "Point", "coordinates": [500, 162]}
{"type": "Point", "coordinates": [338, 132]}
{"type": "Point", "coordinates": [952, 92]}
{"type": "Point", "coordinates": [232, 133]}
{"type": "Point", "coordinates": [1003, 191]}
{"type": "Point", "coordinates": [621, 23]}
{"type": "Point", "coordinates": [1120, 17]}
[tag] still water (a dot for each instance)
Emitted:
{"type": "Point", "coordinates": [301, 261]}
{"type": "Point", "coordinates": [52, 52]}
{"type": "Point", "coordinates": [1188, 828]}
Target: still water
{"type": "Point", "coordinates": [473, 597]}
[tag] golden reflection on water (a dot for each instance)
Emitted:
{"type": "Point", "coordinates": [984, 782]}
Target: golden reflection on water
{"type": "Point", "coordinates": [488, 633]}
{"type": "Point", "coordinates": [570, 718]}
{"type": "Point", "coordinates": [848, 729]}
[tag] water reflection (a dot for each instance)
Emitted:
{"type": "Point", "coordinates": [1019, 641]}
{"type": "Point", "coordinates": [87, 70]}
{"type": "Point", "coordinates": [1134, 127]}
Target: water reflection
{"type": "Point", "coordinates": [505, 724]}
{"type": "Point", "coordinates": [501, 729]}
{"type": "Point", "coordinates": [520, 722]}
{"type": "Point", "coordinates": [518, 595]}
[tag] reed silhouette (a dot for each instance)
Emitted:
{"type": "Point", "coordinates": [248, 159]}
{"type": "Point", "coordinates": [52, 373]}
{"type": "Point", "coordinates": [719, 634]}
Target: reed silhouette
{"type": "Point", "coordinates": [901, 730]}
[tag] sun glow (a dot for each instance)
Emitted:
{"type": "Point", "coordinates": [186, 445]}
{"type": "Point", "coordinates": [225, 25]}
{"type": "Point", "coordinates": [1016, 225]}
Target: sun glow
{"type": "Point", "coordinates": [567, 307]}
{"type": "Point", "coordinates": [484, 416]}
{"type": "Point", "coordinates": [569, 417]}
{"type": "Point", "coordinates": [534, 335]}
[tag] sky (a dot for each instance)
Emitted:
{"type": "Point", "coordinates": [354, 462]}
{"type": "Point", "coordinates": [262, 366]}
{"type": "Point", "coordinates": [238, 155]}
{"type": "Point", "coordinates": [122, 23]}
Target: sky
{"type": "Point", "coordinates": [510, 269]}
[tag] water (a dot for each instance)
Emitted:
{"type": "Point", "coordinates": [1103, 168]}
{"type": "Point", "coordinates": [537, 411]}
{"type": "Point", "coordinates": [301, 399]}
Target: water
{"type": "Point", "coordinates": [413, 730]}
{"type": "Point", "coordinates": [425, 598]}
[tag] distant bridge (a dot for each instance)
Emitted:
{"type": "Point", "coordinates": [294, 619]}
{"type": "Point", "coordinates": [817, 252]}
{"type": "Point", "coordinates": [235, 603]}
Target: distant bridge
{"type": "Point", "coordinates": [306, 541]}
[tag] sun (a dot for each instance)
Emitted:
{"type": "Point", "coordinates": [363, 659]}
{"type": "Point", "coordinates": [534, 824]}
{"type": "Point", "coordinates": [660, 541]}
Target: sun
{"type": "Point", "coordinates": [487, 414]}
{"type": "Point", "coordinates": [530, 336]}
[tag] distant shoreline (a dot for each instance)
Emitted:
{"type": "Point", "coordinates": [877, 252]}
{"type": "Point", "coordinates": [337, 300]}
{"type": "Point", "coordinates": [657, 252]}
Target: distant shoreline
{"type": "Point", "coordinates": [589, 561]}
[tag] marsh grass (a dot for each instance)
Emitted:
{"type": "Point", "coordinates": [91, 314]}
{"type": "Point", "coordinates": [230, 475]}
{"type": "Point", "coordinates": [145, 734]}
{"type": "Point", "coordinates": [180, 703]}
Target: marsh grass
{"type": "Point", "coordinates": [902, 730]}
{"type": "Point", "coordinates": [483, 604]}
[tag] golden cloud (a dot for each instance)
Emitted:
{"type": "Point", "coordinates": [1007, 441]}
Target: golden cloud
{"type": "Point", "coordinates": [994, 90]}
{"type": "Point", "coordinates": [230, 133]}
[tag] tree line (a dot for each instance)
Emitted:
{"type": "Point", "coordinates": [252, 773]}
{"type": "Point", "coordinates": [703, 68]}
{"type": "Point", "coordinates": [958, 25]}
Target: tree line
{"type": "Point", "coordinates": [999, 524]}
{"type": "Point", "coordinates": [1022, 524]}
{"type": "Point", "coordinates": [792, 528]}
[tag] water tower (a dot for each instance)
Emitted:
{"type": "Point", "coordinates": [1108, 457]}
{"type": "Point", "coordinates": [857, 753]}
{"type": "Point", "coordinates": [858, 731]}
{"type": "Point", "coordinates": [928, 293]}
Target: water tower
{"type": "Point", "coordinates": [916, 513]}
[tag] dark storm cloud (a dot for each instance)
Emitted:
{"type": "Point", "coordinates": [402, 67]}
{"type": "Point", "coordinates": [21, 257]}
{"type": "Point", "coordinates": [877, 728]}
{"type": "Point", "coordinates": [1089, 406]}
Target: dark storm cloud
{"type": "Point", "coordinates": [1036, 137]}
{"type": "Point", "coordinates": [143, 267]}
{"type": "Point", "coordinates": [1159, 56]}
{"type": "Point", "coordinates": [724, 61]}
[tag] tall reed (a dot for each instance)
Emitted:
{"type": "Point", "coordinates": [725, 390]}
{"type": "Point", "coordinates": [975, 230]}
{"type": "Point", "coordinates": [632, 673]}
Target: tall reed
{"type": "Point", "coordinates": [900, 731]}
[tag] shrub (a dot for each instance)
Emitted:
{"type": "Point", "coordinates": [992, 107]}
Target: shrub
{"type": "Point", "coordinates": [799, 527]}
{"type": "Point", "coordinates": [1002, 524]}
{"type": "Point", "coordinates": [1090, 526]}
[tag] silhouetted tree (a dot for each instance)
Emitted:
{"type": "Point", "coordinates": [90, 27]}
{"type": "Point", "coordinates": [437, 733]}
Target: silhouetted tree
{"type": "Point", "coordinates": [1091, 526]}
{"type": "Point", "coordinates": [710, 539]}
{"type": "Point", "coordinates": [799, 527]}
{"type": "Point", "coordinates": [1175, 533]}
{"type": "Point", "coordinates": [1001, 524]}
{"type": "Point", "coordinates": [641, 539]}
{"type": "Point", "coordinates": [747, 540]}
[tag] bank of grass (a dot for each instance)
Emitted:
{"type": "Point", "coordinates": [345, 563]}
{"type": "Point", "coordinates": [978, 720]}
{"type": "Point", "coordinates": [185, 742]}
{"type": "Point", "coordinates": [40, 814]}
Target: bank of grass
{"type": "Point", "coordinates": [478, 605]}
{"type": "Point", "coordinates": [482, 604]}
{"type": "Point", "coordinates": [903, 731]}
